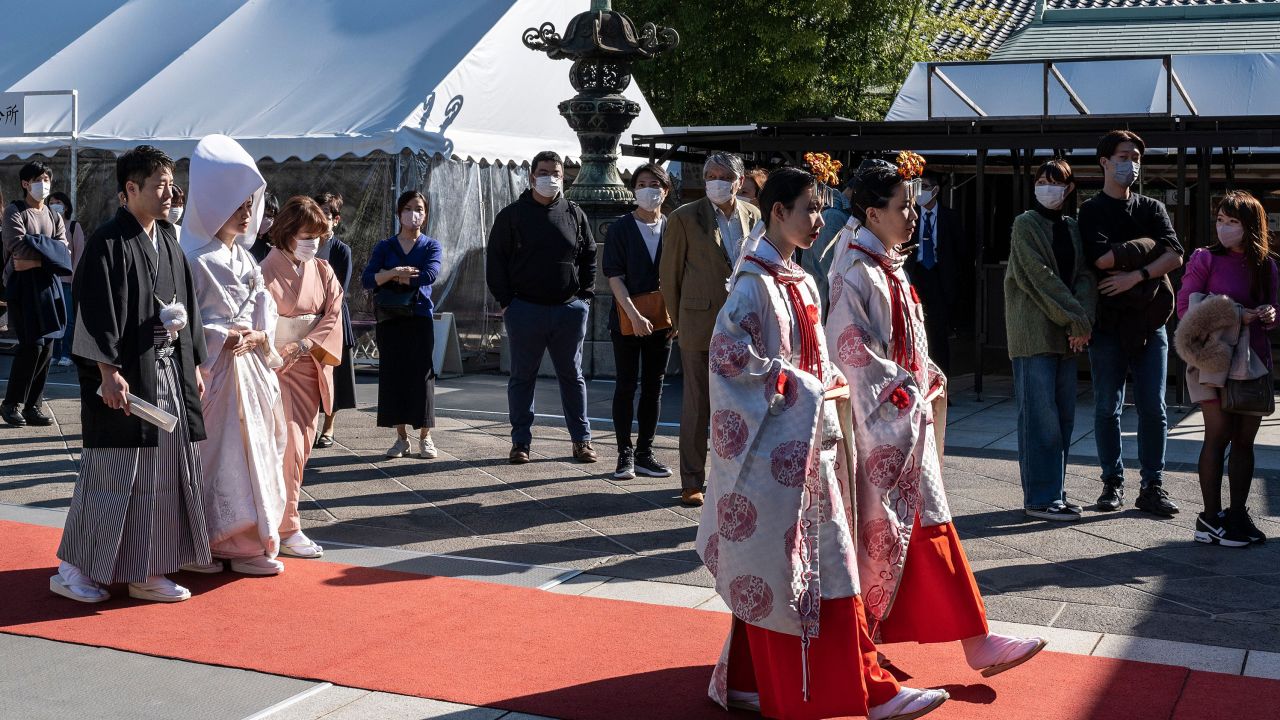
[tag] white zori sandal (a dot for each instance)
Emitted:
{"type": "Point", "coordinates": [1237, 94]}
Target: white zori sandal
{"type": "Point", "coordinates": [73, 584]}
{"type": "Point", "coordinates": [909, 704]}
{"type": "Point", "coordinates": [261, 565]}
{"type": "Point", "coordinates": [300, 546]}
{"type": "Point", "coordinates": [159, 588]}
{"type": "Point", "coordinates": [992, 654]}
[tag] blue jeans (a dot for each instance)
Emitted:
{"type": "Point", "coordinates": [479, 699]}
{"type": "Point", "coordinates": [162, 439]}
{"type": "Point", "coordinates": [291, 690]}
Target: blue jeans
{"type": "Point", "coordinates": [62, 347]}
{"type": "Point", "coordinates": [533, 329]}
{"type": "Point", "coordinates": [1109, 363]}
{"type": "Point", "coordinates": [1044, 388]}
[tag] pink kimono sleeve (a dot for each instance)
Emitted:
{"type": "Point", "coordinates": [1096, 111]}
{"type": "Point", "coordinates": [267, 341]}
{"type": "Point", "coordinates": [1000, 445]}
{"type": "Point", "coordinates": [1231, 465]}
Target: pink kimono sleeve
{"type": "Point", "coordinates": [326, 337]}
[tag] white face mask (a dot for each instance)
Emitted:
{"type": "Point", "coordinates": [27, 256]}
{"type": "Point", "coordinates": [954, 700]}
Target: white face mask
{"type": "Point", "coordinates": [306, 249]}
{"type": "Point", "coordinates": [1126, 172]}
{"type": "Point", "coordinates": [649, 198]}
{"type": "Point", "coordinates": [267, 222]}
{"type": "Point", "coordinates": [175, 214]}
{"type": "Point", "coordinates": [40, 190]}
{"type": "Point", "coordinates": [548, 186]}
{"type": "Point", "coordinates": [58, 207]}
{"type": "Point", "coordinates": [412, 218]}
{"type": "Point", "coordinates": [926, 196]}
{"type": "Point", "coordinates": [1051, 196]}
{"type": "Point", "coordinates": [1230, 235]}
{"type": "Point", "coordinates": [719, 191]}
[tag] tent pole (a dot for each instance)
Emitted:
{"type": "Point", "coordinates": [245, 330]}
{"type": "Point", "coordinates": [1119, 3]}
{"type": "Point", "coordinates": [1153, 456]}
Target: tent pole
{"type": "Point", "coordinates": [396, 186]}
{"type": "Point", "coordinates": [1183, 218]}
{"type": "Point", "coordinates": [979, 235]}
{"type": "Point", "coordinates": [75, 145]}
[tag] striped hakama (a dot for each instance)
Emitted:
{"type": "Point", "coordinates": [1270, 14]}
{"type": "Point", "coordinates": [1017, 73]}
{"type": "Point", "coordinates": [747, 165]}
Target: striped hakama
{"type": "Point", "coordinates": [136, 512]}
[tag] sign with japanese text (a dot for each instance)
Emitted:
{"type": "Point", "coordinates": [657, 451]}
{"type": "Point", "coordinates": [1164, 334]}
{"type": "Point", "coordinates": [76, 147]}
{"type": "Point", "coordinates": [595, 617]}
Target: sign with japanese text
{"type": "Point", "coordinates": [11, 114]}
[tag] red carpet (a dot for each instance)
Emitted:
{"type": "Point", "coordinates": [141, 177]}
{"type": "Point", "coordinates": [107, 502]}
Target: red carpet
{"type": "Point", "coordinates": [539, 652]}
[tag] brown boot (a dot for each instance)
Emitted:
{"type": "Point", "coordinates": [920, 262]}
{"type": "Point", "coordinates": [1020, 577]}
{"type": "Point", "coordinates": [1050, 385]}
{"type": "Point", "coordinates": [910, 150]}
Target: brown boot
{"type": "Point", "coordinates": [519, 455]}
{"type": "Point", "coordinates": [692, 498]}
{"type": "Point", "coordinates": [584, 453]}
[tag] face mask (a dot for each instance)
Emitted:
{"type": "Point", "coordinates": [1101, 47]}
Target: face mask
{"type": "Point", "coordinates": [175, 214]}
{"type": "Point", "coordinates": [306, 249]}
{"type": "Point", "coordinates": [57, 207]}
{"type": "Point", "coordinates": [267, 222]}
{"type": "Point", "coordinates": [1051, 196]}
{"type": "Point", "coordinates": [926, 196]}
{"type": "Point", "coordinates": [719, 191]}
{"type": "Point", "coordinates": [547, 186]}
{"type": "Point", "coordinates": [649, 199]}
{"type": "Point", "coordinates": [412, 218]}
{"type": "Point", "coordinates": [40, 190]}
{"type": "Point", "coordinates": [1230, 235]}
{"type": "Point", "coordinates": [1126, 172]}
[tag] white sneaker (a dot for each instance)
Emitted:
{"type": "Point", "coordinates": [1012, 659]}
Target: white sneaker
{"type": "Point", "coordinates": [399, 449]}
{"type": "Point", "coordinates": [427, 448]}
{"type": "Point", "coordinates": [64, 362]}
{"type": "Point", "coordinates": [261, 565]}
{"type": "Point", "coordinates": [159, 588]}
{"type": "Point", "coordinates": [300, 546]}
{"type": "Point", "coordinates": [909, 704]}
{"type": "Point", "coordinates": [72, 584]}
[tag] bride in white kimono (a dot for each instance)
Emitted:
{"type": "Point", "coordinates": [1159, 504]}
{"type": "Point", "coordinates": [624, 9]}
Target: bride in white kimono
{"type": "Point", "coordinates": [776, 529]}
{"type": "Point", "coordinates": [243, 457]}
{"type": "Point", "coordinates": [915, 578]}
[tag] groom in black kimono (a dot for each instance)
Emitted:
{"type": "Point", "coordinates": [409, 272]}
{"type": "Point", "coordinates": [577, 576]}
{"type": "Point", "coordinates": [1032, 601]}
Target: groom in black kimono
{"type": "Point", "coordinates": [136, 514]}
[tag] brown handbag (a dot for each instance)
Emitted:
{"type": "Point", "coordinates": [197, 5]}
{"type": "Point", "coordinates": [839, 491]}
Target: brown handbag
{"type": "Point", "coordinates": [652, 306]}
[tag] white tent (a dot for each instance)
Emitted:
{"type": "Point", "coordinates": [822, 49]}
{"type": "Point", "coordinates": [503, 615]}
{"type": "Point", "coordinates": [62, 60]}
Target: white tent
{"type": "Point", "coordinates": [295, 78]}
{"type": "Point", "coordinates": [1218, 85]}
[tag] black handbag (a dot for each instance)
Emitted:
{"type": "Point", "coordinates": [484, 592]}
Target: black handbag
{"type": "Point", "coordinates": [395, 300]}
{"type": "Point", "coordinates": [1249, 397]}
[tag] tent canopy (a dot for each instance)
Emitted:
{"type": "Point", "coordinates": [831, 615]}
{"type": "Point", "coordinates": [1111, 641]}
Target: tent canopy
{"type": "Point", "coordinates": [295, 78]}
{"type": "Point", "coordinates": [1227, 85]}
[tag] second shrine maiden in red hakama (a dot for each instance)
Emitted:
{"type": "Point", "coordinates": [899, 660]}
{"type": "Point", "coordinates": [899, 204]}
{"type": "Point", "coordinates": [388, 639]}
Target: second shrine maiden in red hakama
{"type": "Point", "coordinates": [916, 581]}
{"type": "Point", "coordinates": [776, 529]}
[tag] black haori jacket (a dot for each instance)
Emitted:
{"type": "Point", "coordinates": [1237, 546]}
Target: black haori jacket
{"type": "Point", "coordinates": [118, 310]}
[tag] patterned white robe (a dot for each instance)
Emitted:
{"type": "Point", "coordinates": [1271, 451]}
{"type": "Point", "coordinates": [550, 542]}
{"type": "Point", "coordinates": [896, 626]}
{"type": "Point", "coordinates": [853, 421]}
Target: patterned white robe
{"type": "Point", "coordinates": [896, 440]}
{"type": "Point", "coordinates": [775, 528]}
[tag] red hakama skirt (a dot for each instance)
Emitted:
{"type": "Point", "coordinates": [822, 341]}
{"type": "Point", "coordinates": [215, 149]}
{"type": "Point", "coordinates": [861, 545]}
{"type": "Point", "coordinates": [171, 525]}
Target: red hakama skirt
{"type": "Point", "coordinates": [938, 599]}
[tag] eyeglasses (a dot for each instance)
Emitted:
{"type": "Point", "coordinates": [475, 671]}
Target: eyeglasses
{"type": "Point", "coordinates": [331, 213]}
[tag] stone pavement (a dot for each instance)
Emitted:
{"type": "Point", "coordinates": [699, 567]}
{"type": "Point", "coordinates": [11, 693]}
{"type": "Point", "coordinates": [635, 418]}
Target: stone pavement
{"type": "Point", "coordinates": [1120, 584]}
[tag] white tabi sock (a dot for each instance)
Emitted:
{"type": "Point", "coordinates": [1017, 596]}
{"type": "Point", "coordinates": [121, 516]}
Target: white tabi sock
{"type": "Point", "coordinates": [993, 649]}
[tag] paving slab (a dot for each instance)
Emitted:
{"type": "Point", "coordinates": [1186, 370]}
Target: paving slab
{"type": "Point", "coordinates": [1262, 664]}
{"type": "Point", "coordinates": [1165, 652]}
{"type": "Point", "coordinates": [46, 680]}
{"type": "Point", "coordinates": [652, 592]}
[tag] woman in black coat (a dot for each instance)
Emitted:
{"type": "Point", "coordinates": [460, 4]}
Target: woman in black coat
{"type": "Point", "coordinates": [338, 254]}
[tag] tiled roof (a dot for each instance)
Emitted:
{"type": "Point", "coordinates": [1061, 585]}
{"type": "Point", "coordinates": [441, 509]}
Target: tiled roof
{"type": "Point", "coordinates": [1019, 13]}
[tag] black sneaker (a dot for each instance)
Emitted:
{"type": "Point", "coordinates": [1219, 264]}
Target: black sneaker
{"type": "Point", "coordinates": [1214, 530]}
{"type": "Point", "coordinates": [1057, 511]}
{"type": "Point", "coordinates": [647, 464]}
{"type": "Point", "coordinates": [34, 415]}
{"type": "Point", "coordinates": [11, 415]}
{"type": "Point", "coordinates": [1155, 500]}
{"type": "Point", "coordinates": [1112, 497]}
{"type": "Point", "coordinates": [1243, 524]}
{"type": "Point", "coordinates": [626, 465]}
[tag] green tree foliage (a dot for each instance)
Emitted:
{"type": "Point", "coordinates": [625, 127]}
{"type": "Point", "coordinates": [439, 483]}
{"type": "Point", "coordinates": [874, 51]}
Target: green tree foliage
{"type": "Point", "coordinates": [743, 61]}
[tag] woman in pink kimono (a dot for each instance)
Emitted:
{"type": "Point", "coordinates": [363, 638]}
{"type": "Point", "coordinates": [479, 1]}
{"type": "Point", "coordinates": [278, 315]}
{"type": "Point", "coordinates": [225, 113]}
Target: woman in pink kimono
{"type": "Point", "coordinates": [776, 529]}
{"type": "Point", "coordinates": [915, 577]}
{"type": "Point", "coordinates": [242, 456]}
{"type": "Point", "coordinates": [309, 342]}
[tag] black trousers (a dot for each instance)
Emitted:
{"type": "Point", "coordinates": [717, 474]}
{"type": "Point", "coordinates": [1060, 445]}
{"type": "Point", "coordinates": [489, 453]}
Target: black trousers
{"type": "Point", "coordinates": [29, 372]}
{"type": "Point", "coordinates": [642, 362]}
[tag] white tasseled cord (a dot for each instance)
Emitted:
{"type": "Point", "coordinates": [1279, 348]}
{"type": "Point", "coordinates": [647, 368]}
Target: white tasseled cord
{"type": "Point", "coordinates": [840, 243]}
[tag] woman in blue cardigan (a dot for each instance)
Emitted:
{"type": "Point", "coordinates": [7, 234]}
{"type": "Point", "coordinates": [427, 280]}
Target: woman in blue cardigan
{"type": "Point", "coordinates": [402, 269]}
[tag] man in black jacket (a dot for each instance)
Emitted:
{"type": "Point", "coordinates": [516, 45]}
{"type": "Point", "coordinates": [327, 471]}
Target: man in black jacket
{"type": "Point", "coordinates": [1128, 238]}
{"type": "Point", "coordinates": [542, 271]}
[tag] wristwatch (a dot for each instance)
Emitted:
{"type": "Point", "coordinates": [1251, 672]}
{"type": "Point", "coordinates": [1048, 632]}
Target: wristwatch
{"type": "Point", "coordinates": [1146, 274]}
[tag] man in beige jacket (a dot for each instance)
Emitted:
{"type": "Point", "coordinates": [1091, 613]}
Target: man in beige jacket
{"type": "Point", "coordinates": [701, 244]}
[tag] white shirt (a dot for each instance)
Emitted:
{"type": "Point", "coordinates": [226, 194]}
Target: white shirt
{"type": "Point", "coordinates": [730, 231]}
{"type": "Point", "coordinates": [652, 234]}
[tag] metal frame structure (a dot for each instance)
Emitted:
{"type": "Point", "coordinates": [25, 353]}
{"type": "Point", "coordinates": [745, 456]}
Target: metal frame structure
{"type": "Point", "coordinates": [998, 141]}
